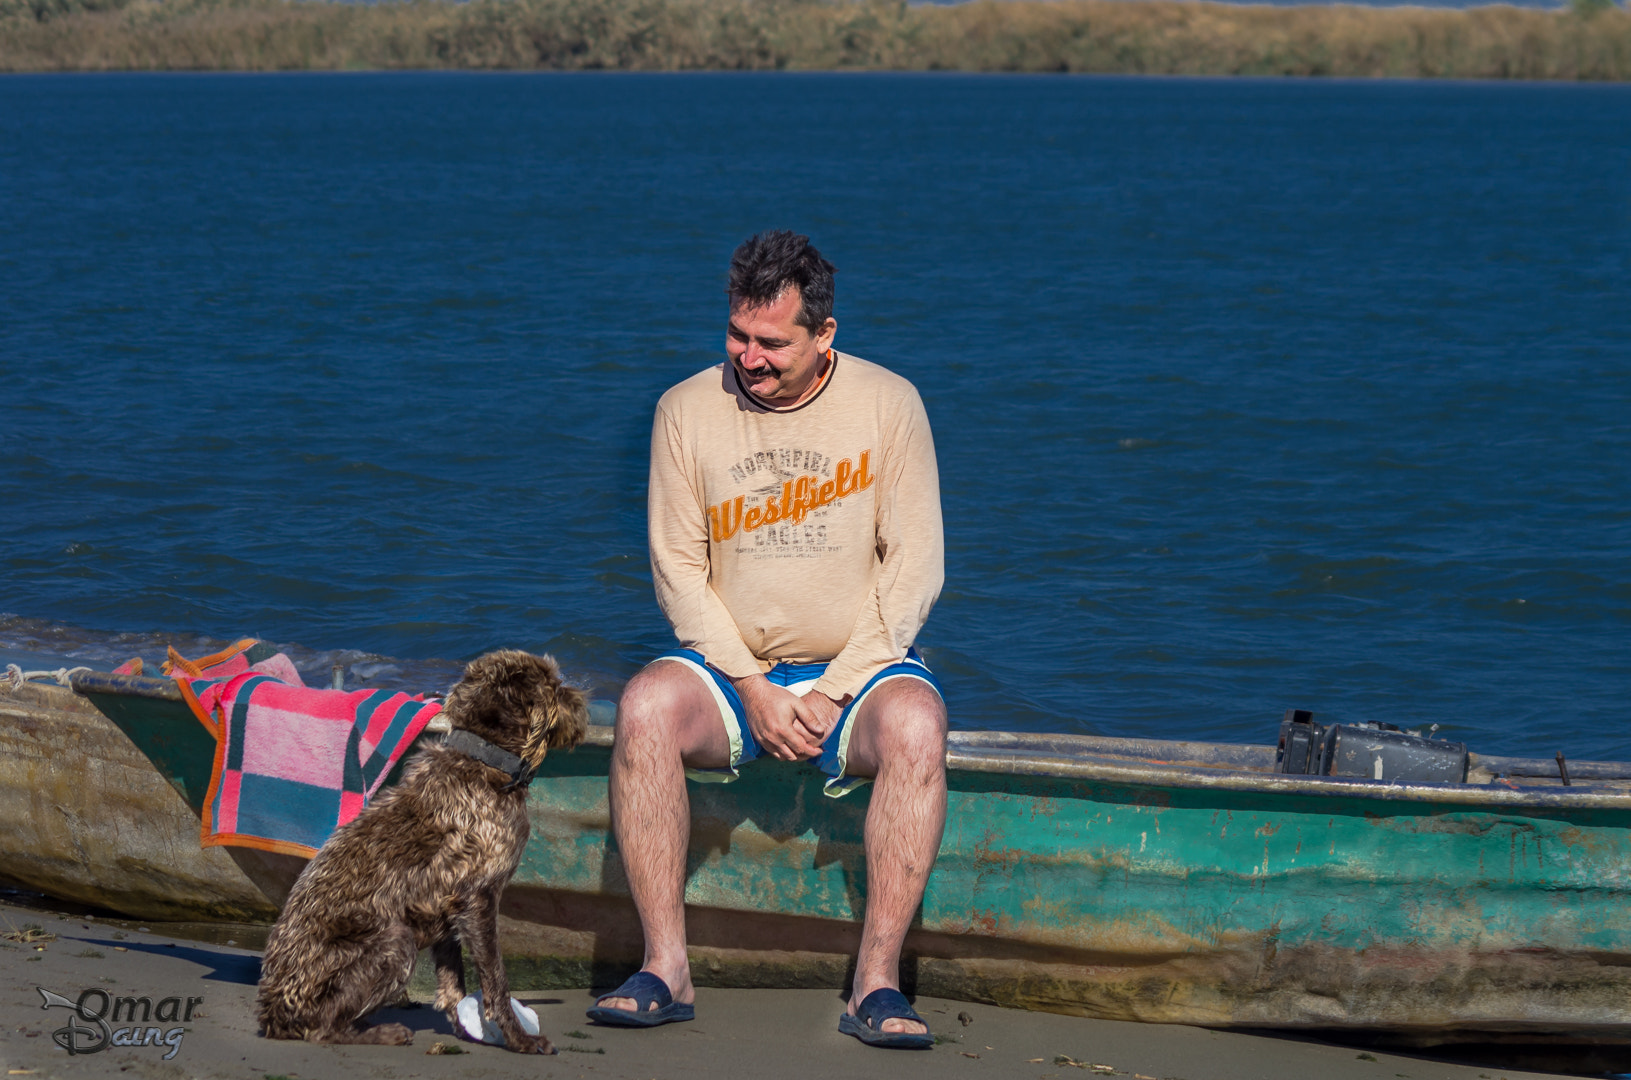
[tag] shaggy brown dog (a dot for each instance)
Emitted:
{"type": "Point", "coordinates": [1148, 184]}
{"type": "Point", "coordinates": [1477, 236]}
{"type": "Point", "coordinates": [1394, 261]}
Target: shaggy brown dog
{"type": "Point", "coordinates": [421, 867]}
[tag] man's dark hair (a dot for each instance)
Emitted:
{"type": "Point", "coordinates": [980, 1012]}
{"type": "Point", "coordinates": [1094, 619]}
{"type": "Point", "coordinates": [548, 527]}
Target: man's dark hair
{"type": "Point", "coordinates": [766, 264]}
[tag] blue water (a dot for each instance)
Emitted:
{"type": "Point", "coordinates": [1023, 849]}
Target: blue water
{"type": "Point", "coordinates": [1248, 394]}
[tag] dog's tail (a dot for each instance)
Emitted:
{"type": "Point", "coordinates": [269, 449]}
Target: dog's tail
{"type": "Point", "coordinates": [277, 1019]}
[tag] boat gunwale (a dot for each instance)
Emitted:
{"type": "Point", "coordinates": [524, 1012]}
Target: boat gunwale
{"type": "Point", "coordinates": [1138, 762]}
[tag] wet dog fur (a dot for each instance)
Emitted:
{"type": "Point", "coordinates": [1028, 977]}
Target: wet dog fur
{"type": "Point", "coordinates": [421, 867]}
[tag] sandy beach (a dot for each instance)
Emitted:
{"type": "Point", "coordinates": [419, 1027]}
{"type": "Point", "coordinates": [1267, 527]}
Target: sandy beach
{"type": "Point", "coordinates": [787, 1034]}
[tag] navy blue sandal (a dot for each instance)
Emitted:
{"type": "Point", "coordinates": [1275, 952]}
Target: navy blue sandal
{"type": "Point", "coordinates": [880, 1005]}
{"type": "Point", "coordinates": [645, 988]}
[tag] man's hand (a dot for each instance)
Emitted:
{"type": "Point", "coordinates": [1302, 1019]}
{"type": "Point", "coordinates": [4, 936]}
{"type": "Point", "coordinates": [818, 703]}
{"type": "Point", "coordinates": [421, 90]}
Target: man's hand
{"type": "Point", "coordinates": [789, 727]}
{"type": "Point", "coordinates": [817, 714]}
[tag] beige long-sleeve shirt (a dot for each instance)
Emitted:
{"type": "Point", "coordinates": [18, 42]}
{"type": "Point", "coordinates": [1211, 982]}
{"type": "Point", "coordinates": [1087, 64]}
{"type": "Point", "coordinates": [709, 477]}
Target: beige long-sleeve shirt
{"type": "Point", "coordinates": [808, 534]}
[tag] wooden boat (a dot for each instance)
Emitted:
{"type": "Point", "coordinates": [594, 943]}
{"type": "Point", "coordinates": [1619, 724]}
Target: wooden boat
{"type": "Point", "coordinates": [1126, 879]}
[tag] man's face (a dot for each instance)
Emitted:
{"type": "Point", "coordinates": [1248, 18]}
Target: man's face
{"type": "Point", "coordinates": [778, 360]}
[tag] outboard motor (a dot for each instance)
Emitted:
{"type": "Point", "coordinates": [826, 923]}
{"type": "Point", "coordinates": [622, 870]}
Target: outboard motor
{"type": "Point", "coordinates": [1369, 751]}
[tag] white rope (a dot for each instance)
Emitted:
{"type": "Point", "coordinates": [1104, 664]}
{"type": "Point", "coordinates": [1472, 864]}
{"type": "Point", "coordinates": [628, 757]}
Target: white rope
{"type": "Point", "coordinates": [16, 676]}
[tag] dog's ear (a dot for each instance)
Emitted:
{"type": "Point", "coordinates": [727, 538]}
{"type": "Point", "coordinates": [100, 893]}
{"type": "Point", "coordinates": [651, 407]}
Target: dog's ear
{"type": "Point", "coordinates": [559, 720]}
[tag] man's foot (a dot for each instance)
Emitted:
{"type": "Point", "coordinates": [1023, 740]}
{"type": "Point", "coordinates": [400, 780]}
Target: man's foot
{"type": "Point", "coordinates": [885, 1018]}
{"type": "Point", "coordinates": [644, 1000]}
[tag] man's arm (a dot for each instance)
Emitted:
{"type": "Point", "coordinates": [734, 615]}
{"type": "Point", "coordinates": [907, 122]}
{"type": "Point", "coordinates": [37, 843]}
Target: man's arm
{"type": "Point", "coordinates": [677, 530]}
{"type": "Point", "coordinates": [911, 548]}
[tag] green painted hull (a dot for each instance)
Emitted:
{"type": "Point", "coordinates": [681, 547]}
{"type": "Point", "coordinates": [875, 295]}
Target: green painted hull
{"type": "Point", "coordinates": [1129, 880]}
{"type": "Point", "coordinates": [1141, 891]}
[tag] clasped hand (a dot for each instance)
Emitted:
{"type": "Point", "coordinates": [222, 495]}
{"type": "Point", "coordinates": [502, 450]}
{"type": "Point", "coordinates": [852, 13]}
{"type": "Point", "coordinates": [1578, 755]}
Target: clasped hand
{"type": "Point", "coordinates": [788, 726]}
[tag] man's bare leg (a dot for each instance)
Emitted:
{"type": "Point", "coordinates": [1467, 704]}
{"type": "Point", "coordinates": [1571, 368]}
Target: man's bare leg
{"type": "Point", "coordinates": [900, 740]}
{"type": "Point", "coordinates": [666, 720]}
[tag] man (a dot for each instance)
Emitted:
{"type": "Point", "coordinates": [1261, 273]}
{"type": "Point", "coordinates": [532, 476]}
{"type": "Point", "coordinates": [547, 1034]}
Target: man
{"type": "Point", "coordinates": [794, 521]}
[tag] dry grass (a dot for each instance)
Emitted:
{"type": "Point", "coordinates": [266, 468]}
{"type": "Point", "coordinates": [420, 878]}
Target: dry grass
{"type": "Point", "coordinates": [30, 934]}
{"type": "Point", "coordinates": [1107, 36]}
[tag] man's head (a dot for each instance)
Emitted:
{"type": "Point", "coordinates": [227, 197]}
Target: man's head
{"type": "Point", "coordinates": [781, 324]}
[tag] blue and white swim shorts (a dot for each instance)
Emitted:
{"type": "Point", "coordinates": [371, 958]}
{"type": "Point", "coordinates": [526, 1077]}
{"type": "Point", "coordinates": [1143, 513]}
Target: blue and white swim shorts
{"type": "Point", "coordinates": [800, 679]}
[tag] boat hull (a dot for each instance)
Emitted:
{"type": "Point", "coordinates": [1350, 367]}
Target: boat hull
{"type": "Point", "coordinates": [90, 819]}
{"type": "Point", "coordinates": [1145, 901]}
{"type": "Point", "coordinates": [1153, 882]}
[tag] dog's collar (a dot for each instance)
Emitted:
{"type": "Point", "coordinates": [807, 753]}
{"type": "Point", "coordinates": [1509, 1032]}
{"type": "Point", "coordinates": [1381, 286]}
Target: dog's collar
{"type": "Point", "coordinates": [474, 746]}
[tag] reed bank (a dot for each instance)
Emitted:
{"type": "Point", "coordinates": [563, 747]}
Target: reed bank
{"type": "Point", "coordinates": [1590, 40]}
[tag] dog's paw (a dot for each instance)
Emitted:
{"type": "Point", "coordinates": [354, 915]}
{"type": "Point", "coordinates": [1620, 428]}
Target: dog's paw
{"type": "Point", "coordinates": [529, 1044]}
{"type": "Point", "coordinates": [395, 1034]}
{"type": "Point", "coordinates": [381, 1035]}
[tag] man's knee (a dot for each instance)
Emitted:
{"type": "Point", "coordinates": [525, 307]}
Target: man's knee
{"type": "Point", "coordinates": [666, 707]}
{"type": "Point", "coordinates": [909, 726]}
{"type": "Point", "coordinates": [649, 696]}
{"type": "Point", "coordinates": [651, 705]}
{"type": "Point", "coordinates": [920, 721]}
